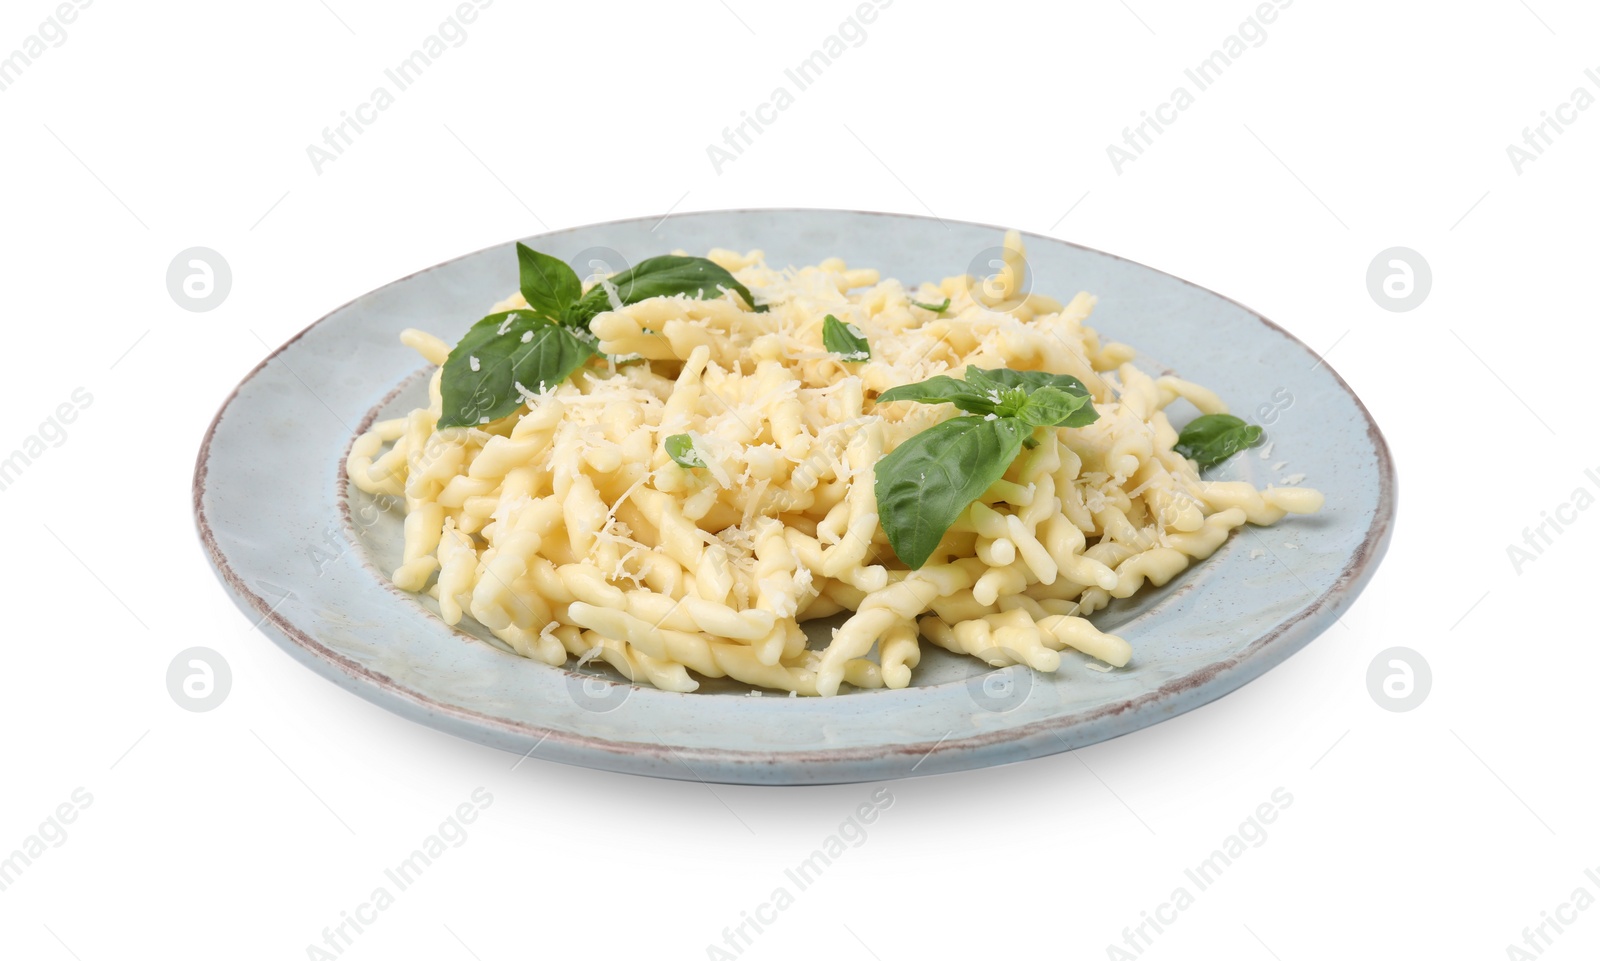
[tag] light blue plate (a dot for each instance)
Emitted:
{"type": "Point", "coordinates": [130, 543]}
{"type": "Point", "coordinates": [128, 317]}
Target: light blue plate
{"type": "Point", "coordinates": [273, 515]}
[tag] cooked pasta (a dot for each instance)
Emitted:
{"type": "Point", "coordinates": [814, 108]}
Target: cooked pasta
{"type": "Point", "coordinates": [570, 531]}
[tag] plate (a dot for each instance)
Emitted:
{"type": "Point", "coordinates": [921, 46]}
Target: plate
{"type": "Point", "coordinates": [305, 556]}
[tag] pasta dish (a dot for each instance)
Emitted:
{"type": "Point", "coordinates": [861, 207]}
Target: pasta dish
{"type": "Point", "coordinates": [672, 469]}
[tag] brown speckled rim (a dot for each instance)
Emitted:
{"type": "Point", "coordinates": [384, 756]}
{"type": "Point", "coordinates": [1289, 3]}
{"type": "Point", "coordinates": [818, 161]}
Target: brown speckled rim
{"type": "Point", "coordinates": [1283, 640]}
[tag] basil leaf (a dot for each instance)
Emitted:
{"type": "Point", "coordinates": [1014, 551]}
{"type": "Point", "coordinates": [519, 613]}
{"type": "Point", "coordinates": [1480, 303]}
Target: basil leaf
{"type": "Point", "coordinates": [844, 339]}
{"type": "Point", "coordinates": [944, 389]}
{"type": "Point", "coordinates": [1052, 407]}
{"type": "Point", "coordinates": [1034, 381]}
{"type": "Point", "coordinates": [1012, 402]}
{"type": "Point", "coordinates": [1213, 438]}
{"type": "Point", "coordinates": [665, 276]}
{"type": "Point", "coordinates": [550, 287]}
{"type": "Point", "coordinates": [1028, 380]}
{"type": "Point", "coordinates": [1063, 400]}
{"type": "Point", "coordinates": [936, 308]}
{"type": "Point", "coordinates": [923, 485]}
{"type": "Point", "coordinates": [503, 350]}
{"type": "Point", "coordinates": [1082, 416]}
{"type": "Point", "coordinates": [680, 447]}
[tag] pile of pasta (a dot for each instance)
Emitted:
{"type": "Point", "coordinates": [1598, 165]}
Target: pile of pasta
{"type": "Point", "coordinates": [567, 530]}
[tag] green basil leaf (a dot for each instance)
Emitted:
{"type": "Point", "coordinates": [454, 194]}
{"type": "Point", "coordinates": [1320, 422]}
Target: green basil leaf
{"type": "Point", "coordinates": [1063, 400]}
{"type": "Point", "coordinates": [1012, 402]}
{"type": "Point", "coordinates": [503, 350]}
{"type": "Point", "coordinates": [1033, 381]}
{"type": "Point", "coordinates": [844, 339]}
{"type": "Point", "coordinates": [550, 287]}
{"type": "Point", "coordinates": [923, 485]}
{"type": "Point", "coordinates": [1028, 380]}
{"type": "Point", "coordinates": [936, 308]}
{"type": "Point", "coordinates": [680, 447]}
{"type": "Point", "coordinates": [1053, 407]}
{"type": "Point", "coordinates": [1213, 438]}
{"type": "Point", "coordinates": [944, 389]}
{"type": "Point", "coordinates": [665, 276]}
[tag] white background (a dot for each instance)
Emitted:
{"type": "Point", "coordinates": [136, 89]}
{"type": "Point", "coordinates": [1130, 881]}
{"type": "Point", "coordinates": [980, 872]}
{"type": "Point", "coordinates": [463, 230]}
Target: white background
{"type": "Point", "coordinates": [243, 832]}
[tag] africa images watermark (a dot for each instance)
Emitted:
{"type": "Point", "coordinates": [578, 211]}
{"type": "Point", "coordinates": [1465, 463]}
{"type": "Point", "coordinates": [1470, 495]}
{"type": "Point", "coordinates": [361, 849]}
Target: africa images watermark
{"type": "Point", "coordinates": [1552, 524]}
{"type": "Point", "coordinates": [1553, 123]}
{"type": "Point", "coordinates": [851, 33]}
{"type": "Point", "coordinates": [1251, 33]}
{"type": "Point", "coordinates": [1252, 833]}
{"type": "Point", "coordinates": [52, 432]}
{"type": "Point", "coordinates": [451, 833]}
{"type": "Point", "coordinates": [51, 833]}
{"type": "Point", "coordinates": [1554, 922]}
{"type": "Point", "coordinates": [52, 33]}
{"type": "Point", "coordinates": [403, 75]}
{"type": "Point", "coordinates": [852, 833]}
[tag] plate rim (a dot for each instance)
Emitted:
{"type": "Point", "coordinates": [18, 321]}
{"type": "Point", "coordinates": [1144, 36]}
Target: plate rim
{"type": "Point", "coordinates": [1302, 627]}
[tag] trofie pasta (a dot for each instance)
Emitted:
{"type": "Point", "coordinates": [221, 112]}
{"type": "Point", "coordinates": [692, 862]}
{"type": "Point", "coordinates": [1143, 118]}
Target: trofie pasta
{"type": "Point", "coordinates": [705, 483]}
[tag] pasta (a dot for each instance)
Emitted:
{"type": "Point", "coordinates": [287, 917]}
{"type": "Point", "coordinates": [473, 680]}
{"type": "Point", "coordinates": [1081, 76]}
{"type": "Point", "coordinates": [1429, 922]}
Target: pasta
{"type": "Point", "coordinates": [568, 529]}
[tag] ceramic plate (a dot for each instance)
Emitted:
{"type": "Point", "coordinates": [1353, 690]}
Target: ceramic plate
{"type": "Point", "coordinates": [305, 555]}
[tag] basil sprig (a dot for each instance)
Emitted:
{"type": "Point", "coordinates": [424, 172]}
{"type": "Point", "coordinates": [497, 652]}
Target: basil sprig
{"type": "Point", "coordinates": [680, 447]}
{"type": "Point", "coordinates": [1043, 399]}
{"type": "Point", "coordinates": [924, 484]}
{"type": "Point", "coordinates": [1213, 438]}
{"type": "Point", "coordinates": [499, 353]}
{"type": "Point", "coordinates": [1040, 387]}
{"type": "Point", "coordinates": [844, 339]}
{"type": "Point", "coordinates": [542, 344]}
{"type": "Point", "coordinates": [936, 308]}
{"type": "Point", "coordinates": [1053, 407]}
{"type": "Point", "coordinates": [664, 276]}
{"type": "Point", "coordinates": [551, 288]}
